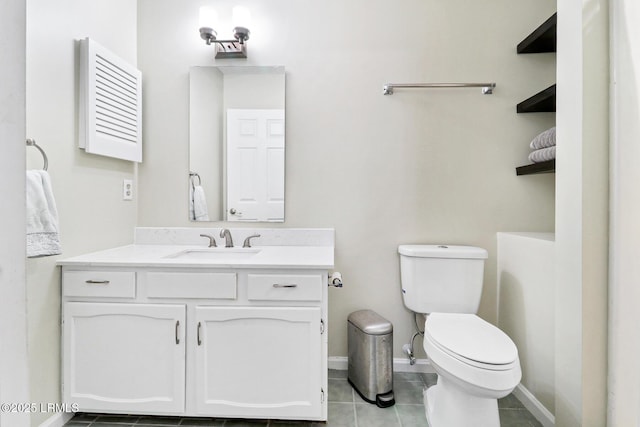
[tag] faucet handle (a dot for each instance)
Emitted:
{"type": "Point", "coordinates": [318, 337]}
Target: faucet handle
{"type": "Point", "coordinates": [247, 241]}
{"type": "Point", "coordinates": [212, 240]}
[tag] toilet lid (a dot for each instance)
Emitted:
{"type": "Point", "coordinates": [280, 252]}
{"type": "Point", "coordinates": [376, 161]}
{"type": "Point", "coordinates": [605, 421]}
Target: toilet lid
{"type": "Point", "coordinates": [470, 337]}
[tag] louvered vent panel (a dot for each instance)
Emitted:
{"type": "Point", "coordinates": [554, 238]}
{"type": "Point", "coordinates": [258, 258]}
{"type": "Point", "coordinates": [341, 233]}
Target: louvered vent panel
{"type": "Point", "coordinates": [112, 98]}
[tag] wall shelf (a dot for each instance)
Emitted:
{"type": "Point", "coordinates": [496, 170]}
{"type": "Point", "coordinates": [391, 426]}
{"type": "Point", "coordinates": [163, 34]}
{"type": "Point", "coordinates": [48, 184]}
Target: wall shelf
{"type": "Point", "coordinates": [543, 167]}
{"type": "Point", "coordinates": [542, 39]}
{"type": "Point", "coordinates": [543, 101]}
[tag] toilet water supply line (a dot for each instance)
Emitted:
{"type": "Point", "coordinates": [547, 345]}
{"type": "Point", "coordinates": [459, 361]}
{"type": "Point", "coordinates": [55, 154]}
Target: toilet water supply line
{"type": "Point", "coordinates": [408, 348]}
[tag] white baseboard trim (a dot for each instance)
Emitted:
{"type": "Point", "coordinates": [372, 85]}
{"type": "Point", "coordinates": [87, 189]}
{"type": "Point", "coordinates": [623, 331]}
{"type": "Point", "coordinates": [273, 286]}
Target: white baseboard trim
{"type": "Point", "coordinates": [57, 420]}
{"type": "Point", "coordinates": [537, 409]}
{"type": "Point", "coordinates": [399, 365]}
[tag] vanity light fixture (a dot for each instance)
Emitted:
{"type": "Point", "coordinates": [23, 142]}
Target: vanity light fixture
{"type": "Point", "coordinates": [236, 48]}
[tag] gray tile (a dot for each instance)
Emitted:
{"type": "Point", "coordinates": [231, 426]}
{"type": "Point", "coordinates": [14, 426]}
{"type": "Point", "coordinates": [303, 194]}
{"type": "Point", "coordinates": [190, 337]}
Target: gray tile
{"type": "Point", "coordinates": [246, 423]}
{"type": "Point", "coordinates": [340, 391]}
{"type": "Point", "coordinates": [411, 415]}
{"type": "Point", "coordinates": [108, 418]}
{"type": "Point", "coordinates": [108, 424]}
{"type": "Point", "coordinates": [372, 416]}
{"type": "Point", "coordinates": [290, 423]}
{"type": "Point", "coordinates": [341, 415]}
{"type": "Point", "coordinates": [408, 392]}
{"type": "Point", "coordinates": [407, 376]}
{"type": "Point", "coordinates": [510, 402]}
{"type": "Point", "coordinates": [429, 379]}
{"type": "Point", "coordinates": [338, 374]}
{"type": "Point", "coordinates": [81, 416]}
{"type": "Point", "coordinates": [77, 424]}
{"type": "Point", "coordinates": [201, 422]}
{"type": "Point", "coordinates": [517, 418]}
{"type": "Point", "coordinates": [159, 421]}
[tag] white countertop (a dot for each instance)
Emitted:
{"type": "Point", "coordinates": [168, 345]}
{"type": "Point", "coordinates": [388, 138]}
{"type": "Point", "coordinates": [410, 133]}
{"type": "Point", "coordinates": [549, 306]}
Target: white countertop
{"type": "Point", "coordinates": [154, 255]}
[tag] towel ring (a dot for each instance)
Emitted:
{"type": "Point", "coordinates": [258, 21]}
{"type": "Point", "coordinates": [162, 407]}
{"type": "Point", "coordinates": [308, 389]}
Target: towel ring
{"type": "Point", "coordinates": [193, 175]}
{"type": "Point", "coordinates": [32, 143]}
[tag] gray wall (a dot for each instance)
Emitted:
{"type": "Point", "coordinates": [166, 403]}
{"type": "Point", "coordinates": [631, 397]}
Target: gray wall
{"type": "Point", "coordinates": [87, 188]}
{"type": "Point", "coordinates": [14, 379]}
{"type": "Point", "coordinates": [418, 166]}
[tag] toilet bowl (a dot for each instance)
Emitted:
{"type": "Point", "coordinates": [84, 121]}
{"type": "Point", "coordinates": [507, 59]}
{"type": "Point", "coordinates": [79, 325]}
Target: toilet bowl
{"type": "Point", "coordinates": [476, 364]}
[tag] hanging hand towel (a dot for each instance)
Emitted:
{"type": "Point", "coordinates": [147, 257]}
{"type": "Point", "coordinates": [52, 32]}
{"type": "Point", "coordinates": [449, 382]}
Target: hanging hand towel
{"type": "Point", "coordinates": [42, 216]}
{"type": "Point", "coordinates": [200, 211]}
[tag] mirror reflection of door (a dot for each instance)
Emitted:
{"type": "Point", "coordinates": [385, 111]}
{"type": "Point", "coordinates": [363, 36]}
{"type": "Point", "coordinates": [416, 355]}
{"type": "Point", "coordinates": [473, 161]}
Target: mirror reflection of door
{"type": "Point", "coordinates": [212, 92]}
{"type": "Point", "coordinates": [255, 165]}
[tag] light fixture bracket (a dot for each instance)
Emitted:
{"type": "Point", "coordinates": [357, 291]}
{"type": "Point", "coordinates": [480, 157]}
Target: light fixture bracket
{"type": "Point", "coordinates": [226, 49]}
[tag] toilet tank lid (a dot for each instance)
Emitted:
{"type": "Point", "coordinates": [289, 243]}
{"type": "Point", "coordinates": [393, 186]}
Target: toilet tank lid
{"type": "Point", "coordinates": [443, 251]}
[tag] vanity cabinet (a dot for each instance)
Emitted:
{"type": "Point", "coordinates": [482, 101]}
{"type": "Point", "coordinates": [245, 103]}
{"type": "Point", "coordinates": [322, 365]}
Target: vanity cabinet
{"type": "Point", "coordinates": [119, 357]}
{"type": "Point", "coordinates": [231, 343]}
{"type": "Point", "coordinates": [259, 361]}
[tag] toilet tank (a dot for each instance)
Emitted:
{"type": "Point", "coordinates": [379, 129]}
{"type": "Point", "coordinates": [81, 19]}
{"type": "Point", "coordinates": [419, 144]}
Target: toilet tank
{"type": "Point", "coordinates": [441, 278]}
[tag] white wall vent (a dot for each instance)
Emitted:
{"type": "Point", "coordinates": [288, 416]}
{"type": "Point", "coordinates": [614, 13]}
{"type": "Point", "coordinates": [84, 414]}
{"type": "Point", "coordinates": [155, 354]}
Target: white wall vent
{"type": "Point", "coordinates": [110, 104]}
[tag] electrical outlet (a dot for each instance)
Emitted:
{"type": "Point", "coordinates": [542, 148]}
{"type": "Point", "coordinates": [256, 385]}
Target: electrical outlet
{"type": "Point", "coordinates": [127, 189]}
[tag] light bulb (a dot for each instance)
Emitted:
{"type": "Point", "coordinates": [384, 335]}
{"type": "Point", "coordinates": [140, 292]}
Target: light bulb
{"type": "Point", "coordinates": [241, 17]}
{"type": "Point", "coordinates": [208, 17]}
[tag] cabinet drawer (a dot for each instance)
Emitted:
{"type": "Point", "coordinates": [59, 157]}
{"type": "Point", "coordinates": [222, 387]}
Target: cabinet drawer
{"type": "Point", "coordinates": [192, 285]}
{"type": "Point", "coordinates": [285, 287]}
{"type": "Point", "coordinates": [120, 284]}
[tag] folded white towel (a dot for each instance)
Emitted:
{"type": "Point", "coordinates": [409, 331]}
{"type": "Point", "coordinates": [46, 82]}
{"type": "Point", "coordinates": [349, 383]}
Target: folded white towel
{"type": "Point", "coordinates": [199, 201]}
{"type": "Point", "coordinates": [544, 140]}
{"type": "Point", "coordinates": [543, 154]}
{"type": "Point", "coordinates": [42, 216]}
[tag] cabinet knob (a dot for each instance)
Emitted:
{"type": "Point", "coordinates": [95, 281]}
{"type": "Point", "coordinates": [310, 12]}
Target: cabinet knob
{"type": "Point", "coordinates": [278, 285]}
{"type": "Point", "coordinates": [177, 332]}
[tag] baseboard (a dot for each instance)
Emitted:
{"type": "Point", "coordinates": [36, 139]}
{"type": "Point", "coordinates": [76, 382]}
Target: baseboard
{"type": "Point", "coordinates": [399, 365]}
{"type": "Point", "coordinates": [57, 420]}
{"type": "Point", "coordinates": [534, 406]}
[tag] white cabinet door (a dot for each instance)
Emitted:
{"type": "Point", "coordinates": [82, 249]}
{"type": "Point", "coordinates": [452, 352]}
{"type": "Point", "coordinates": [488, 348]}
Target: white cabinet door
{"type": "Point", "coordinates": [259, 362]}
{"type": "Point", "coordinates": [124, 357]}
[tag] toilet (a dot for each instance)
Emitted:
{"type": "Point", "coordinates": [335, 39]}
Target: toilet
{"type": "Point", "coordinates": [475, 361]}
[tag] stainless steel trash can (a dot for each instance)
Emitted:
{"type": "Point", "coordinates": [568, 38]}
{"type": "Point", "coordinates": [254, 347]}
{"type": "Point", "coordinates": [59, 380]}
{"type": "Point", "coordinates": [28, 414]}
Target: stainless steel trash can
{"type": "Point", "coordinates": [370, 348]}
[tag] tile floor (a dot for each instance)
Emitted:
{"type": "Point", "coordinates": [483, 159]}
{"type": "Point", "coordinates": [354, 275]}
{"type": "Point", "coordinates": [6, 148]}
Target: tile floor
{"type": "Point", "coordinates": [346, 409]}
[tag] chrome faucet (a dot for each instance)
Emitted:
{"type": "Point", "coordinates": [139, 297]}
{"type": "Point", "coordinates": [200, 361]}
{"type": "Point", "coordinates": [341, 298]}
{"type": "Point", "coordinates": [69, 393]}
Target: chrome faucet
{"type": "Point", "coordinates": [212, 240]}
{"type": "Point", "coordinates": [227, 237]}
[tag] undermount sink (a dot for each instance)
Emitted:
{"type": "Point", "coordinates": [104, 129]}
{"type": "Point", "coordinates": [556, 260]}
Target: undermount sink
{"type": "Point", "coordinates": [215, 253]}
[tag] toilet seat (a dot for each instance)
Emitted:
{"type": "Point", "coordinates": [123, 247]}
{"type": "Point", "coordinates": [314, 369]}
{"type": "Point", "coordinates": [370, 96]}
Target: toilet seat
{"type": "Point", "coordinates": [473, 351]}
{"type": "Point", "coordinates": [471, 340]}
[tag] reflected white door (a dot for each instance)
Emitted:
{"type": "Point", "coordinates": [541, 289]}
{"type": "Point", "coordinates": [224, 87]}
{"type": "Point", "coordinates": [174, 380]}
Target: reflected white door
{"type": "Point", "coordinates": [255, 165]}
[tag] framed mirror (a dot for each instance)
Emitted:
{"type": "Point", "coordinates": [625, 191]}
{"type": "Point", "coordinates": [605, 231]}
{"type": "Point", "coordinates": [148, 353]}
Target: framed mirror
{"type": "Point", "coordinates": [237, 143]}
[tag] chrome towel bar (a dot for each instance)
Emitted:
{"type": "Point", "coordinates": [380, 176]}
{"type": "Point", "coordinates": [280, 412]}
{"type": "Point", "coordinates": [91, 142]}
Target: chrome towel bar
{"type": "Point", "coordinates": [487, 88]}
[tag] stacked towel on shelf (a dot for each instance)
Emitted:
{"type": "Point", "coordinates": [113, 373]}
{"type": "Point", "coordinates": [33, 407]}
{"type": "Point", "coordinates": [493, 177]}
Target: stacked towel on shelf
{"type": "Point", "coordinates": [544, 146]}
{"type": "Point", "coordinates": [42, 216]}
{"type": "Point", "coordinates": [542, 155]}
